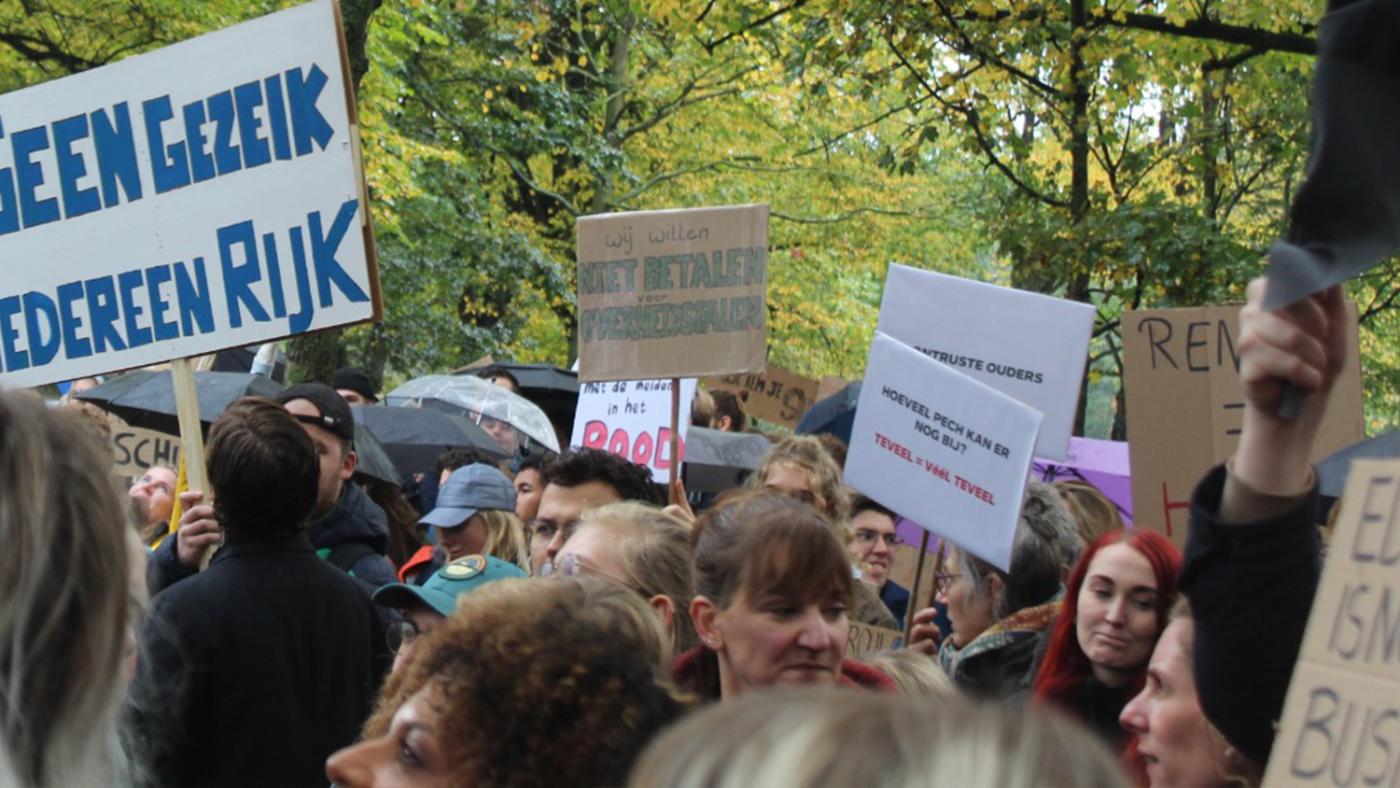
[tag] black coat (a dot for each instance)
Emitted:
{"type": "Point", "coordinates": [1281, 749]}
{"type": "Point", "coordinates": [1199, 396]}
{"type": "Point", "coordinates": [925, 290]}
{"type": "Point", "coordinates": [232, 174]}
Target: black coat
{"type": "Point", "coordinates": [255, 670]}
{"type": "Point", "coordinates": [1251, 588]}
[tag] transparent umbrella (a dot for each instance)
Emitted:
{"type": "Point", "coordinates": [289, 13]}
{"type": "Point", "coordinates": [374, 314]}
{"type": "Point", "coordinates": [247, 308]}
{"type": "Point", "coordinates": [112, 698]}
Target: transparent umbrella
{"type": "Point", "coordinates": [503, 415]}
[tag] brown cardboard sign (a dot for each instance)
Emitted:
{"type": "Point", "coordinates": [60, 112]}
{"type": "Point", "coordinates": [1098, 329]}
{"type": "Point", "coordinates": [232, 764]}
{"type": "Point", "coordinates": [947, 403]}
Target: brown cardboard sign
{"type": "Point", "coordinates": [774, 395]}
{"type": "Point", "coordinates": [862, 640]}
{"type": "Point", "coordinates": [672, 294]}
{"type": "Point", "coordinates": [1185, 405]}
{"type": "Point", "coordinates": [1341, 720]}
{"type": "Point", "coordinates": [135, 449]}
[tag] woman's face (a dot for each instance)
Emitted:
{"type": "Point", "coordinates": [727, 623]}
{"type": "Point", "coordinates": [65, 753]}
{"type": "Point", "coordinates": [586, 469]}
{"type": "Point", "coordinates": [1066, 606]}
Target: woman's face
{"type": "Point", "coordinates": [410, 754]}
{"type": "Point", "coordinates": [1174, 739]}
{"type": "Point", "coordinates": [469, 538]}
{"type": "Point", "coordinates": [529, 486]}
{"type": "Point", "coordinates": [969, 609]}
{"type": "Point", "coordinates": [778, 641]}
{"type": "Point", "coordinates": [1117, 613]}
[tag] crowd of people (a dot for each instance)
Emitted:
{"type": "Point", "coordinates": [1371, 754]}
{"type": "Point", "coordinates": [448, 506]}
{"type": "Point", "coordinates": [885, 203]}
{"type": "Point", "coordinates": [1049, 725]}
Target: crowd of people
{"type": "Point", "coordinates": [562, 620]}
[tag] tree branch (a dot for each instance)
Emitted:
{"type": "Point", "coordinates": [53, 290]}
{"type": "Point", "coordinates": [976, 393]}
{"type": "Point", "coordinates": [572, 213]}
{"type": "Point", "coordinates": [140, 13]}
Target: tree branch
{"type": "Point", "coordinates": [711, 45]}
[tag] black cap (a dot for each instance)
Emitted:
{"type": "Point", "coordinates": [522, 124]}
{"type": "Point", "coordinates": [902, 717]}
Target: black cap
{"type": "Point", "coordinates": [356, 380]}
{"type": "Point", "coordinates": [335, 411]}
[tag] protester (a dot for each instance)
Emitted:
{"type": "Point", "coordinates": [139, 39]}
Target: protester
{"type": "Point", "coordinates": [500, 376]}
{"type": "Point", "coordinates": [430, 556]}
{"type": "Point", "coordinates": [1092, 511]}
{"type": "Point", "coordinates": [798, 466]}
{"type": "Point", "coordinates": [152, 498]}
{"type": "Point", "coordinates": [354, 385]}
{"type": "Point", "coordinates": [838, 737]}
{"type": "Point", "coordinates": [404, 541]}
{"type": "Point", "coordinates": [574, 482]}
{"type": "Point", "coordinates": [1116, 606]}
{"type": "Point", "coordinates": [475, 514]}
{"type": "Point", "coordinates": [702, 409]}
{"type": "Point", "coordinates": [998, 618]}
{"type": "Point", "coordinates": [835, 447]}
{"type": "Point", "coordinates": [728, 414]}
{"type": "Point", "coordinates": [644, 549]}
{"type": "Point", "coordinates": [1221, 669]}
{"type": "Point", "coordinates": [253, 671]}
{"type": "Point", "coordinates": [68, 602]}
{"type": "Point", "coordinates": [426, 606]}
{"type": "Point", "coordinates": [529, 486]}
{"type": "Point", "coordinates": [872, 550]}
{"type": "Point", "coordinates": [547, 682]}
{"type": "Point", "coordinates": [772, 589]}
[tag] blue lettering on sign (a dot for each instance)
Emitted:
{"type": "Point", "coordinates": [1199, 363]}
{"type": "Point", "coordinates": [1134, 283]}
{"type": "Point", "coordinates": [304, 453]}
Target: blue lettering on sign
{"type": "Point", "coordinates": [221, 114]}
{"type": "Point", "coordinates": [239, 279]}
{"type": "Point", "coordinates": [103, 314]}
{"type": "Point", "coordinates": [74, 346]}
{"type": "Point", "coordinates": [308, 124]}
{"type": "Point", "coordinates": [201, 163]}
{"type": "Point", "coordinates": [323, 249]}
{"type": "Point", "coordinates": [127, 283]}
{"type": "Point", "coordinates": [116, 155]}
{"type": "Point", "coordinates": [170, 166]}
{"type": "Point", "coordinates": [248, 97]}
{"type": "Point", "coordinates": [155, 277]}
{"type": "Point", "coordinates": [193, 297]}
{"type": "Point", "coordinates": [41, 351]}
{"type": "Point", "coordinates": [71, 168]}
{"type": "Point", "coordinates": [31, 176]}
{"type": "Point", "coordinates": [9, 209]}
{"type": "Point", "coordinates": [15, 359]}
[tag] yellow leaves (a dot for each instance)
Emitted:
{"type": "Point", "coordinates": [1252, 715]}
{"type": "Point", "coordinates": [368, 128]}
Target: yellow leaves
{"type": "Point", "coordinates": [984, 8]}
{"type": "Point", "coordinates": [582, 61]}
{"type": "Point", "coordinates": [1120, 16]}
{"type": "Point", "coordinates": [489, 94]}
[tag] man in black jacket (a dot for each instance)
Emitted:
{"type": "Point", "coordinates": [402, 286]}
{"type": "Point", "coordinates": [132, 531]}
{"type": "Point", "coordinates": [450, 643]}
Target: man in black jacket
{"type": "Point", "coordinates": [346, 528]}
{"type": "Point", "coordinates": [254, 671]}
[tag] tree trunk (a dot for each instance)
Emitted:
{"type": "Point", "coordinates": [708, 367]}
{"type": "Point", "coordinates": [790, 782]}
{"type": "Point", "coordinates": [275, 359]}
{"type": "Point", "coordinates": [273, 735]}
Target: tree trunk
{"type": "Point", "coordinates": [316, 356]}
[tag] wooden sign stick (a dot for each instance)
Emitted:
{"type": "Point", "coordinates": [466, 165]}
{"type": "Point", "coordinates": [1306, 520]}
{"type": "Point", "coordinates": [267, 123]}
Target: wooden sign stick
{"type": "Point", "coordinates": [191, 433]}
{"type": "Point", "coordinates": [675, 428]}
{"type": "Point", "coordinates": [918, 578]}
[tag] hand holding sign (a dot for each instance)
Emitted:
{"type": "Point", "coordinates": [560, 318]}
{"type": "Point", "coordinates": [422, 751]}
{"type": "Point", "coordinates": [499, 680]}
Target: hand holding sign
{"type": "Point", "coordinates": [1303, 345]}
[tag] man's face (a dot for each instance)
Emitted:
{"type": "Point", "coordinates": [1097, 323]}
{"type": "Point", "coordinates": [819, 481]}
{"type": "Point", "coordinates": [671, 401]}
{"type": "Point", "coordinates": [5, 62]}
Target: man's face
{"type": "Point", "coordinates": [560, 508]}
{"type": "Point", "coordinates": [501, 433]}
{"type": "Point", "coordinates": [153, 494]}
{"type": "Point", "coordinates": [528, 489]}
{"type": "Point", "coordinates": [353, 397]}
{"type": "Point", "coordinates": [337, 465]}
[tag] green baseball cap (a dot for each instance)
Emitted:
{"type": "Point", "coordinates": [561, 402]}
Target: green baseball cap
{"type": "Point", "coordinates": [440, 593]}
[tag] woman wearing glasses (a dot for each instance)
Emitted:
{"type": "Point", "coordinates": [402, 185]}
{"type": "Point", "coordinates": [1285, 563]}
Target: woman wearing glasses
{"type": "Point", "coordinates": [772, 589]}
{"type": "Point", "coordinates": [999, 618]}
{"type": "Point", "coordinates": [872, 551]}
{"type": "Point", "coordinates": [642, 548]}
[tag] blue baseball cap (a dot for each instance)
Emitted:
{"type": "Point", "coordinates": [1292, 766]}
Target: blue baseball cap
{"type": "Point", "coordinates": [469, 490]}
{"type": "Point", "coordinates": [440, 593]}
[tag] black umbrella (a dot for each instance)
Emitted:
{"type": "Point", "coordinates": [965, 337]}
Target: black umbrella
{"type": "Point", "coordinates": [147, 399]}
{"type": "Point", "coordinates": [414, 437]}
{"type": "Point", "coordinates": [1332, 472]}
{"type": "Point", "coordinates": [373, 461]}
{"type": "Point", "coordinates": [1346, 217]}
{"type": "Point", "coordinates": [716, 461]}
{"type": "Point", "coordinates": [835, 414]}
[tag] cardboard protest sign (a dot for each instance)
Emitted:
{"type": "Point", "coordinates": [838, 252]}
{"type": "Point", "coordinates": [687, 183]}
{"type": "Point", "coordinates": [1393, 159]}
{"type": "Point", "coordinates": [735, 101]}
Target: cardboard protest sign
{"type": "Point", "coordinates": [1029, 346]}
{"type": "Point", "coordinates": [863, 640]}
{"type": "Point", "coordinates": [1185, 406]}
{"type": "Point", "coordinates": [942, 449]}
{"type": "Point", "coordinates": [135, 449]}
{"type": "Point", "coordinates": [202, 196]}
{"type": "Point", "coordinates": [632, 419]}
{"type": "Point", "coordinates": [1341, 719]}
{"type": "Point", "coordinates": [672, 294]}
{"type": "Point", "coordinates": [774, 395]}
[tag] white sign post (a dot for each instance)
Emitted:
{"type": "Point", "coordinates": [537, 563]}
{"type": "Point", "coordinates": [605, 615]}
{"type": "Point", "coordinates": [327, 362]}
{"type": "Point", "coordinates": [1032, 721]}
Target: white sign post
{"type": "Point", "coordinates": [632, 419]}
{"type": "Point", "coordinates": [1028, 346]}
{"type": "Point", "coordinates": [203, 196]}
{"type": "Point", "coordinates": [941, 449]}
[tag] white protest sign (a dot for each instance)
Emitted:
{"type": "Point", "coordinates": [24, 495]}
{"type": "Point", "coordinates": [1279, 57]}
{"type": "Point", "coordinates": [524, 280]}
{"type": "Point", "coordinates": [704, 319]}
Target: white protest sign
{"type": "Point", "coordinates": [202, 196]}
{"type": "Point", "coordinates": [941, 449]}
{"type": "Point", "coordinates": [1028, 346]}
{"type": "Point", "coordinates": [632, 419]}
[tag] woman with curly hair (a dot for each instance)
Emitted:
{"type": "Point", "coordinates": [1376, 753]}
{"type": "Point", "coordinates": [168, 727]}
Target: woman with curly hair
{"type": "Point", "coordinates": [530, 682]}
{"type": "Point", "coordinates": [1115, 608]}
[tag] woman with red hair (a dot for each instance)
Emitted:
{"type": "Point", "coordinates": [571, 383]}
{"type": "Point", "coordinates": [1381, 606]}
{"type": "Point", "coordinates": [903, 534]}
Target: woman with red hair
{"type": "Point", "coordinates": [1116, 605]}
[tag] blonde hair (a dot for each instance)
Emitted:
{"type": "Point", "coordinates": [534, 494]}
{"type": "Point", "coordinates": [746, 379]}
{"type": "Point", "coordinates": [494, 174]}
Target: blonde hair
{"type": "Point", "coordinates": [839, 737]}
{"type": "Point", "coordinates": [65, 601]}
{"type": "Point", "coordinates": [1094, 514]}
{"type": "Point", "coordinates": [807, 454]}
{"type": "Point", "coordinates": [916, 675]}
{"type": "Point", "coordinates": [654, 549]}
{"type": "Point", "coordinates": [505, 537]}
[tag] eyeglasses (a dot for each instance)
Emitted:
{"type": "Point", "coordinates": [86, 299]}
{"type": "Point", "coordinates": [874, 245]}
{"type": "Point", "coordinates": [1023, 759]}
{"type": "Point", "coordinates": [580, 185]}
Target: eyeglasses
{"type": "Point", "coordinates": [869, 536]}
{"type": "Point", "coordinates": [401, 634]}
{"type": "Point", "coordinates": [944, 580]}
{"type": "Point", "coordinates": [569, 565]}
